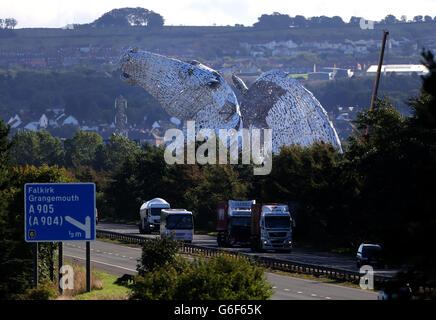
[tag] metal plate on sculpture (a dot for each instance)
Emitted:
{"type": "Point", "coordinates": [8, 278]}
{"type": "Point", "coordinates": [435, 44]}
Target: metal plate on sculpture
{"type": "Point", "coordinates": [59, 212]}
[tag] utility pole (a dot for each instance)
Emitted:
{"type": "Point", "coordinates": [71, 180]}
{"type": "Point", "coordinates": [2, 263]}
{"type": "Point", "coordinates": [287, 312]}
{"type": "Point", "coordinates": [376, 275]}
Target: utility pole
{"type": "Point", "coordinates": [377, 77]}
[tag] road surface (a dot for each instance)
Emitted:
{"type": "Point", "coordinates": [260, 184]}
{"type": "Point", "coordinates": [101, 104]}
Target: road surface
{"type": "Point", "coordinates": [337, 261]}
{"type": "Point", "coordinates": [118, 259]}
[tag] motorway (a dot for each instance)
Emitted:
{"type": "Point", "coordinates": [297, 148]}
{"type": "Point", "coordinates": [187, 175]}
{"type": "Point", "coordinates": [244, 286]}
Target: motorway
{"type": "Point", "coordinates": [325, 259]}
{"type": "Point", "coordinates": [119, 259]}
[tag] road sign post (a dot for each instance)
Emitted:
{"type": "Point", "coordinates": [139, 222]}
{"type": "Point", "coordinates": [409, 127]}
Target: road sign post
{"type": "Point", "coordinates": [88, 266]}
{"type": "Point", "coordinates": [35, 264]}
{"type": "Point", "coordinates": [61, 262]}
{"type": "Point", "coordinates": [57, 212]}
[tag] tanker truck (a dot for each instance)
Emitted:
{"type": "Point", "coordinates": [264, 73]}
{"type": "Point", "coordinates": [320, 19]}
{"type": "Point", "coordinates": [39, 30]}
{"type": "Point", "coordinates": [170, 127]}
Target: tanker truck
{"type": "Point", "coordinates": [149, 214]}
{"type": "Point", "coordinates": [233, 223]}
{"type": "Point", "coordinates": [270, 227]}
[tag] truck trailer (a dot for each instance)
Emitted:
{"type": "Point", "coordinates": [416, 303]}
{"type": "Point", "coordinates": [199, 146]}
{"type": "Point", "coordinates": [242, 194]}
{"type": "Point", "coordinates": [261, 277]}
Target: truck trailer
{"type": "Point", "coordinates": [149, 214]}
{"type": "Point", "coordinates": [270, 227]}
{"type": "Point", "coordinates": [233, 223]}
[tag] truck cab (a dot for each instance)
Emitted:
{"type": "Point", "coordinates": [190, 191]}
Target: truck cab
{"type": "Point", "coordinates": [233, 223]}
{"type": "Point", "coordinates": [150, 215]}
{"type": "Point", "coordinates": [271, 228]}
{"type": "Point", "coordinates": [177, 224]}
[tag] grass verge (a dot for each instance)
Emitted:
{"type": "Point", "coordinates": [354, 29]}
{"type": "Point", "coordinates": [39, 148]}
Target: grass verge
{"type": "Point", "coordinates": [104, 286]}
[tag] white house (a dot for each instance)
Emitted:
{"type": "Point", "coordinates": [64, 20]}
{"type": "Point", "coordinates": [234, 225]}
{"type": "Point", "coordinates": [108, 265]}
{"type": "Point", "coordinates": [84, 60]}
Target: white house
{"type": "Point", "coordinates": [32, 126]}
{"type": "Point", "coordinates": [71, 120]}
{"type": "Point", "coordinates": [155, 125]}
{"type": "Point", "coordinates": [15, 121]}
{"type": "Point", "coordinates": [43, 121]}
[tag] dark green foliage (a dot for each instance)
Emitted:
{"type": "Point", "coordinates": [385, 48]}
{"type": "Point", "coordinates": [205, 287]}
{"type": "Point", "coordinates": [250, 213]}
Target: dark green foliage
{"type": "Point", "coordinates": [82, 148]}
{"type": "Point", "coordinates": [125, 17]}
{"type": "Point", "coordinates": [16, 259]}
{"type": "Point", "coordinates": [356, 92]}
{"type": "Point", "coordinates": [86, 94]}
{"type": "Point", "coordinates": [37, 148]}
{"type": "Point", "coordinates": [425, 106]}
{"type": "Point", "coordinates": [219, 278]}
{"type": "Point", "coordinates": [216, 183]}
{"type": "Point", "coordinates": [45, 291]}
{"type": "Point", "coordinates": [111, 156]}
{"type": "Point", "coordinates": [157, 254]}
{"type": "Point", "coordinates": [273, 21]}
{"type": "Point", "coordinates": [5, 146]}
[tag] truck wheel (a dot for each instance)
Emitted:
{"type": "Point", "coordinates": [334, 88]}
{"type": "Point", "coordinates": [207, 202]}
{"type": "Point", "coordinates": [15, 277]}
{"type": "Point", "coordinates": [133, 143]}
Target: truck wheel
{"type": "Point", "coordinates": [141, 230]}
{"type": "Point", "coordinates": [253, 246]}
{"type": "Point", "coordinates": [147, 229]}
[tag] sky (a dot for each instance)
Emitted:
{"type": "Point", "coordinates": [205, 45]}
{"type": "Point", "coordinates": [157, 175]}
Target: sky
{"type": "Point", "coordinates": [58, 13]}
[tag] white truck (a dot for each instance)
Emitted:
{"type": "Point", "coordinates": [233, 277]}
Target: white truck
{"type": "Point", "coordinates": [271, 227]}
{"type": "Point", "coordinates": [149, 214]}
{"type": "Point", "coordinates": [177, 224]}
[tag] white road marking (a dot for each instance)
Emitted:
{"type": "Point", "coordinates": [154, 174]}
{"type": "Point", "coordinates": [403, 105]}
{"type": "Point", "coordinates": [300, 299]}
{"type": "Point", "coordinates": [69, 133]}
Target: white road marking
{"type": "Point", "coordinates": [299, 292]}
{"type": "Point", "coordinates": [313, 295]}
{"type": "Point", "coordinates": [107, 264]}
{"type": "Point", "coordinates": [328, 298]}
{"type": "Point", "coordinates": [287, 290]}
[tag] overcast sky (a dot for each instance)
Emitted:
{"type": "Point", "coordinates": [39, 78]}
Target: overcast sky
{"type": "Point", "coordinates": [58, 13]}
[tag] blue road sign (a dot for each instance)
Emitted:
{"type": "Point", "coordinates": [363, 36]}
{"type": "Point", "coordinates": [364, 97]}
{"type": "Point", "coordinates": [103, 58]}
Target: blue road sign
{"type": "Point", "coordinates": [59, 212]}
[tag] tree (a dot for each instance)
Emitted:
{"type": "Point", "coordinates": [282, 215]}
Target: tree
{"type": "Point", "coordinates": [139, 178]}
{"type": "Point", "coordinates": [81, 149]}
{"type": "Point", "coordinates": [389, 19]}
{"type": "Point", "coordinates": [126, 17]}
{"type": "Point", "coordinates": [417, 19]}
{"type": "Point", "coordinates": [37, 148]}
{"type": "Point", "coordinates": [216, 183]}
{"type": "Point", "coordinates": [10, 23]}
{"type": "Point", "coordinates": [5, 146]}
{"type": "Point", "coordinates": [355, 20]}
{"type": "Point", "coordinates": [424, 107]}
{"type": "Point", "coordinates": [16, 259]}
{"type": "Point", "coordinates": [299, 21]}
{"type": "Point", "coordinates": [111, 156]}
{"type": "Point", "coordinates": [428, 19]}
{"type": "Point", "coordinates": [155, 21]}
{"type": "Point", "coordinates": [337, 21]}
{"type": "Point", "coordinates": [157, 254]}
{"type": "Point", "coordinates": [273, 21]}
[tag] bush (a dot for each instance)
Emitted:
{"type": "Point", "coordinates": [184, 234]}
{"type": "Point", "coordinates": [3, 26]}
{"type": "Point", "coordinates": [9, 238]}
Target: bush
{"type": "Point", "coordinates": [220, 278]}
{"type": "Point", "coordinates": [157, 254]}
{"type": "Point", "coordinates": [44, 291]}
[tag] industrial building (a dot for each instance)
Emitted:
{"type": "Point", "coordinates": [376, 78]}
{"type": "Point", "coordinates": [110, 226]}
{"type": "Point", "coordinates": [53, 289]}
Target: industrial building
{"type": "Point", "coordinates": [400, 69]}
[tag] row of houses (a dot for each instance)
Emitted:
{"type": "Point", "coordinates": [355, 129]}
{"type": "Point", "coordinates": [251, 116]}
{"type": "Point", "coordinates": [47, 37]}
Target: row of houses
{"type": "Point", "coordinates": [153, 135]}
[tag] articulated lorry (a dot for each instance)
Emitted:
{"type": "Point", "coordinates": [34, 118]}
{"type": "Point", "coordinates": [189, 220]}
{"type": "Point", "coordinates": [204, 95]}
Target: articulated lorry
{"type": "Point", "coordinates": [177, 224]}
{"type": "Point", "coordinates": [271, 227]}
{"type": "Point", "coordinates": [233, 223]}
{"type": "Point", "coordinates": [149, 214]}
